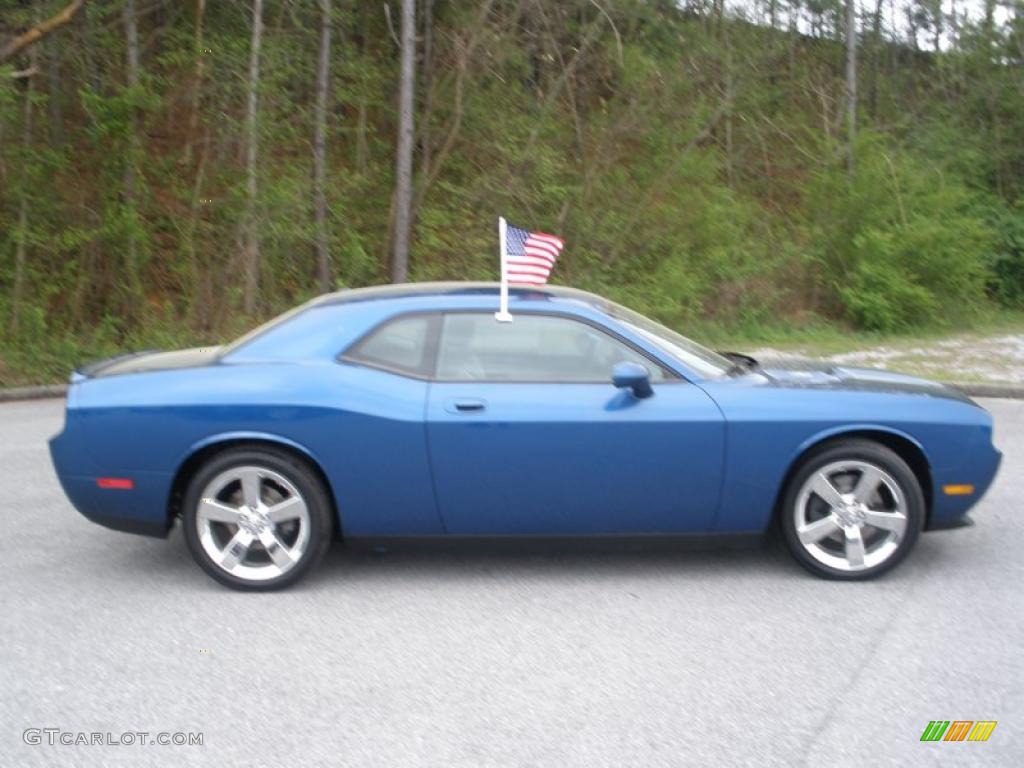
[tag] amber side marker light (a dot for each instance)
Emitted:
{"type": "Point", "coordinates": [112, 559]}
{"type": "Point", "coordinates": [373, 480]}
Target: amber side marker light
{"type": "Point", "coordinates": [120, 483]}
{"type": "Point", "coordinates": [958, 490]}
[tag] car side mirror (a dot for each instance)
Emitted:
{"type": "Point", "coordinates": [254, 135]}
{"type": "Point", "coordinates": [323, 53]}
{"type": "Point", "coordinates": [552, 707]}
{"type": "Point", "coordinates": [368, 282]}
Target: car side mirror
{"type": "Point", "coordinates": [633, 376]}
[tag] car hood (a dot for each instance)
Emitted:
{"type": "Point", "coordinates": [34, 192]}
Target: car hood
{"type": "Point", "coordinates": [150, 360]}
{"type": "Point", "coordinates": [823, 374]}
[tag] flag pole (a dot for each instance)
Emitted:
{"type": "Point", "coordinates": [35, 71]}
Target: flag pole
{"type": "Point", "coordinates": [502, 315]}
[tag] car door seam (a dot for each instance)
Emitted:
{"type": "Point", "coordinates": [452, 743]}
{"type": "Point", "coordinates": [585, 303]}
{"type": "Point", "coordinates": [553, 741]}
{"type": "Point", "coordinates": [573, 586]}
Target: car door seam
{"type": "Point", "coordinates": [430, 456]}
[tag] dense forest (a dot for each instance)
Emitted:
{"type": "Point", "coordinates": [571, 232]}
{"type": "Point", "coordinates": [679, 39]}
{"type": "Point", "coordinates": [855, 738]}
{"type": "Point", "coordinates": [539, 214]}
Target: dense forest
{"type": "Point", "coordinates": [172, 171]}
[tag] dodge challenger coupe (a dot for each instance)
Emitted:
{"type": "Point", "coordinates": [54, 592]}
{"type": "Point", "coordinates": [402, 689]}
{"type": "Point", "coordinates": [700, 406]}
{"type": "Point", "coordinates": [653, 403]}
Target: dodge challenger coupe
{"type": "Point", "coordinates": [410, 410]}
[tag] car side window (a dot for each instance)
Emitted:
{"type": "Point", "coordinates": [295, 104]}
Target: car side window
{"type": "Point", "coordinates": [541, 348]}
{"type": "Point", "coordinates": [400, 345]}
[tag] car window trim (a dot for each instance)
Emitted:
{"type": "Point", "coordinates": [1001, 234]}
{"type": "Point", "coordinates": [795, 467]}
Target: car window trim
{"type": "Point", "coordinates": [671, 376]}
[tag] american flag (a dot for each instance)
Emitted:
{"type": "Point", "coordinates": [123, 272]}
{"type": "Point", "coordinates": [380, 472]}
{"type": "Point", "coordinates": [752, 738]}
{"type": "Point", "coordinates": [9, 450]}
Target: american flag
{"type": "Point", "coordinates": [530, 255]}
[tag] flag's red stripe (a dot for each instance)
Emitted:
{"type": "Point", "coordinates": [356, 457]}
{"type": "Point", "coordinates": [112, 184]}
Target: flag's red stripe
{"type": "Point", "coordinates": [538, 253]}
{"type": "Point", "coordinates": [525, 273]}
{"type": "Point", "coordinates": [526, 266]}
{"type": "Point", "coordinates": [543, 243]}
{"type": "Point", "coordinates": [541, 261]}
{"type": "Point", "coordinates": [556, 241]}
{"type": "Point", "coordinates": [539, 245]}
{"type": "Point", "coordinates": [530, 266]}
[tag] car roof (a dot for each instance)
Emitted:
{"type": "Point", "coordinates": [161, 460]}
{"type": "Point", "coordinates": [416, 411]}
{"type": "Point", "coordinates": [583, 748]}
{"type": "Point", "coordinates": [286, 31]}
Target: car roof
{"type": "Point", "coordinates": [410, 290]}
{"type": "Point", "coordinates": [399, 292]}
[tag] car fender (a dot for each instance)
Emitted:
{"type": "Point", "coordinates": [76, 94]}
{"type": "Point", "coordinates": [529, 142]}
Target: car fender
{"type": "Point", "coordinates": [226, 437]}
{"type": "Point", "coordinates": [842, 429]}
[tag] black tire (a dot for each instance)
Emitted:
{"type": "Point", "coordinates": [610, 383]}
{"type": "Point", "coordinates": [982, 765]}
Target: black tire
{"type": "Point", "coordinates": [853, 450]}
{"type": "Point", "coordinates": [294, 470]}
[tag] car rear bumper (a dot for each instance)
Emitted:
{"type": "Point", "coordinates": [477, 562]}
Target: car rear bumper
{"type": "Point", "coordinates": [140, 509]}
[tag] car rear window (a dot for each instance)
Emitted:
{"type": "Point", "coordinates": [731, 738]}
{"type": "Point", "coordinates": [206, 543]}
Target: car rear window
{"type": "Point", "coordinates": [399, 345]}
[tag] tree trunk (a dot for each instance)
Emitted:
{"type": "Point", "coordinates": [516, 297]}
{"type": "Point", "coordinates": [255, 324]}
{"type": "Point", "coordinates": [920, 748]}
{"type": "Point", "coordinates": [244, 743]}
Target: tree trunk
{"type": "Point", "coordinates": [84, 285]}
{"type": "Point", "coordinates": [851, 78]}
{"type": "Point", "coordinates": [428, 84]}
{"type": "Point", "coordinates": [912, 27]}
{"type": "Point", "coordinates": [131, 33]}
{"type": "Point", "coordinates": [197, 85]}
{"type": "Point", "coordinates": [876, 53]}
{"type": "Point", "coordinates": [21, 233]}
{"type": "Point", "coordinates": [362, 153]}
{"type": "Point", "coordinates": [362, 145]}
{"type": "Point", "coordinates": [403, 159]}
{"type": "Point", "coordinates": [728, 101]}
{"type": "Point", "coordinates": [84, 30]}
{"type": "Point", "coordinates": [323, 256]}
{"type": "Point", "coordinates": [250, 234]}
{"type": "Point", "coordinates": [794, 36]}
{"type": "Point", "coordinates": [198, 299]}
{"type": "Point", "coordinates": [54, 96]}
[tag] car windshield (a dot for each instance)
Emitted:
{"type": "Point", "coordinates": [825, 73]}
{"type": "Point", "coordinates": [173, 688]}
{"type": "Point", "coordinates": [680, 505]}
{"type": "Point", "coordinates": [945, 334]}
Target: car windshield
{"type": "Point", "coordinates": [700, 359]}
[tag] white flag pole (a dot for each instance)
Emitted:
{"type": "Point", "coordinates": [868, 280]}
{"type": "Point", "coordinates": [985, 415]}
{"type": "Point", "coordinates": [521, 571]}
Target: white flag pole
{"type": "Point", "coordinates": [502, 315]}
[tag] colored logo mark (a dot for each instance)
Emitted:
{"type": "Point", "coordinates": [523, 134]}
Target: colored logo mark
{"type": "Point", "coordinates": [958, 730]}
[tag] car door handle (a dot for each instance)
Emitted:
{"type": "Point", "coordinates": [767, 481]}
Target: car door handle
{"type": "Point", "coordinates": [465, 405]}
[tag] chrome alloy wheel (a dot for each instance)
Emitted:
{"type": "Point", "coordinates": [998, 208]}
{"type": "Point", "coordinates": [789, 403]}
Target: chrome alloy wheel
{"type": "Point", "coordinates": [850, 515]}
{"type": "Point", "coordinates": [253, 523]}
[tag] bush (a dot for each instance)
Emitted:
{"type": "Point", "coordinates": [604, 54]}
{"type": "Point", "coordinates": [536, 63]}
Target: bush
{"type": "Point", "coordinates": [902, 243]}
{"type": "Point", "coordinates": [1006, 283]}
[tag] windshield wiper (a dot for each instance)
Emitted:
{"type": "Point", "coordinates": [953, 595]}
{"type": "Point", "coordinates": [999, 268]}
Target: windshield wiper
{"type": "Point", "coordinates": [740, 363]}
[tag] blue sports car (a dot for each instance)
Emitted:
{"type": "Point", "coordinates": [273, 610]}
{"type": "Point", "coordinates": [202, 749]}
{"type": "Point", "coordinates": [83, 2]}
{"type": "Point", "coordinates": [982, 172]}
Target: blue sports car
{"type": "Point", "coordinates": [410, 410]}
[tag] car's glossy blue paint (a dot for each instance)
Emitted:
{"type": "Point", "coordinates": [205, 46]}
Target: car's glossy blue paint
{"type": "Point", "coordinates": [701, 455]}
{"type": "Point", "coordinates": [575, 458]}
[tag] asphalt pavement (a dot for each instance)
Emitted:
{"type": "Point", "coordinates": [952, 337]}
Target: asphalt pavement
{"type": "Point", "coordinates": [692, 658]}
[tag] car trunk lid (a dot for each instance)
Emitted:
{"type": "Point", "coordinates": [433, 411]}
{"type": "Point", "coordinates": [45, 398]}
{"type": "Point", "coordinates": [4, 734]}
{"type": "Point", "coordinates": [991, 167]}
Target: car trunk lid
{"type": "Point", "coordinates": [148, 360]}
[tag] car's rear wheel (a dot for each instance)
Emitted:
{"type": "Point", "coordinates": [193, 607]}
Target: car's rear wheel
{"type": "Point", "coordinates": [256, 518]}
{"type": "Point", "coordinates": [853, 510]}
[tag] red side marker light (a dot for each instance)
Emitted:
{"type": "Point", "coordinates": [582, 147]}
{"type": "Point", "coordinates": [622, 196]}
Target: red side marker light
{"type": "Point", "coordinates": [120, 483]}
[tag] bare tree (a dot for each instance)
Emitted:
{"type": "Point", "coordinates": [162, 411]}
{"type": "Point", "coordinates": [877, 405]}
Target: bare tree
{"type": "Point", "coordinates": [21, 232]}
{"type": "Point", "coordinates": [729, 99]}
{"type": "Point", "coordinates": [876, 53]}
{"type": "Point", "coordinates": [250, 229]}
{"type": "Point", "coordinates": [990, 14]}
{"type": "Point", "coordinates": [323, 256]}
{"type": "Point", "coordinates": [55, 95]}
{"type": "Point", "coordinates": [465, 49]}
{"type": "Point", "coordinates": [84, 31]}
{"type": "Point", "coordinates": [39, 31]}
{"type": "Point", "coordinates": [197, 86]}
{"type": "Point", "coordinates": [132, 69]}
{"type": "Point", "coordinates": [851, 77]}
{"type": "Point", "coordinates": [428, 84]}
{"type": "Point", "coordinates": [403, 159]}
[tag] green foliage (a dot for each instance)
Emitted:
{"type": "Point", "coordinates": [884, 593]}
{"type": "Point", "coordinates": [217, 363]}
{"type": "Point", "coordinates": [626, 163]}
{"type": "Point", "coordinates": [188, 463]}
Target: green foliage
{"type": "Point", "coordinates": [695, 165]}
{"type": "Point", "coordinates": [905, 243]}
{"type": "Point", "coordinates": [1007, 276]}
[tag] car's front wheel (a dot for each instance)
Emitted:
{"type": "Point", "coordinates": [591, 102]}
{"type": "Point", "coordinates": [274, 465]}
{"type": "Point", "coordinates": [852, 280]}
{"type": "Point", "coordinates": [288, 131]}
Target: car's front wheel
{"type": "Point", "coordinates": [256, 518]}
{"type": "Point", "coordinates": [852, 510]}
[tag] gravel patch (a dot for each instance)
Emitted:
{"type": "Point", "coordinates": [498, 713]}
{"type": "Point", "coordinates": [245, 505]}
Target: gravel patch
{"type": "Point", "coordinates": [994, 359]}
